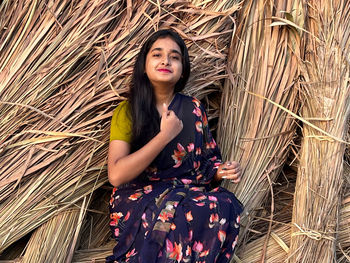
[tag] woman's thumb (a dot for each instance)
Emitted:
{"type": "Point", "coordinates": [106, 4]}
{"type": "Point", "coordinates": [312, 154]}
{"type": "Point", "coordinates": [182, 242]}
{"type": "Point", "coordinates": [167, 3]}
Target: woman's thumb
{"type": "Point", "coordinates": [165, 109]}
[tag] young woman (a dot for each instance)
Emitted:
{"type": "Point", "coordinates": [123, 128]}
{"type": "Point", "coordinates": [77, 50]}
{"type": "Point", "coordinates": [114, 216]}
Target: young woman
{"type": "Point", "coordinates": [163, 162]}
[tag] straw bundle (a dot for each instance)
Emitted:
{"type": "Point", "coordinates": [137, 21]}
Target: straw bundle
{"type": "Point", "coordinates": [93, 254]}
{"type": "Point", "coordinates": [326, 105]}
{"type": "Point", "coordinates": [347, 150]}
{"type": "Point", "coordinates": [343, 237]}
{"type": "Point", "coordinates": [279, 237]}
{"type": "Point", "coordinates": [95, 231]}
{"type": "Point", "coordinates": [279, 242]}
{"type": "Point", "coordinates": [62, 65]}
{"type": "Point", "coordinates": [276, 250]}
{"type": "Point", "coordinates": [42, 247]}
{"type": "Point", "coordinates": [282, 202]}
{"type": "Point", "coordinates": [53, 149]}
{"type": "Point", "coordinates": [263, 64]}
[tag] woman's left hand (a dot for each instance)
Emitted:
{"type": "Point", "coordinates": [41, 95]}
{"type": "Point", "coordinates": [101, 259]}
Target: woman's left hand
{"type": "Point", "coordinates": [230, 170]}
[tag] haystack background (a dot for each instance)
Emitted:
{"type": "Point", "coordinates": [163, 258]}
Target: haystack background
{"type": "Point", "coordinates": [65, 65]}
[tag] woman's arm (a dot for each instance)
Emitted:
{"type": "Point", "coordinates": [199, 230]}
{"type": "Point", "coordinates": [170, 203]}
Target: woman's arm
{"type": "Point", "coordinates": [123, 166]}
{"type": "Point", "coordinates": [228, 170]}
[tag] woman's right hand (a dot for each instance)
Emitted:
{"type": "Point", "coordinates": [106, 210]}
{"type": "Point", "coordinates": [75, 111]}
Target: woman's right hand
{"type": "Point", "coordinates": [120, 159]}
{"type": "Point", "coordinates": [170, 124]}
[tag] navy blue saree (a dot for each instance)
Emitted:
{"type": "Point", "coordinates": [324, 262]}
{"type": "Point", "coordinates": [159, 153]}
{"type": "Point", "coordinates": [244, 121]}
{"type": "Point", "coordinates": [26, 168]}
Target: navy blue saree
{"type": "Point", "coordinates": [172, 212]}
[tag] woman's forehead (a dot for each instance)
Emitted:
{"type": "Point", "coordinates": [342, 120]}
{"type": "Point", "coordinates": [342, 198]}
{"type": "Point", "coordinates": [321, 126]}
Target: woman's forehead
{"type": "Point", "coordinates": [166, 43]}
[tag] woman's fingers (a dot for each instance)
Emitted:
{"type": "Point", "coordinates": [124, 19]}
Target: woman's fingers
{"type": "Point", "coordinates": [171, 114]}
{"type": "Point", "coordinates": [165, 110]}
{"type": "Point", "coordinates": [231, 171]}
{"type": "Point", "coordinates": [170, 124]}
{"type": "Point", "coordinates": [236, 181]}
{"type": "Point", "coordinates": [232, 176]}
{"type": "Point", "coordinates": [232, 164]}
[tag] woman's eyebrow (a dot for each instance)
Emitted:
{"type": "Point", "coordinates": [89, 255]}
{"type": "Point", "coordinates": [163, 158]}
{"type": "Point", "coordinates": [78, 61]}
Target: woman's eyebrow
{"type": "Point", "coordinates": [171, 51]}
{"type": "Point", "coordinates": [175, 51]}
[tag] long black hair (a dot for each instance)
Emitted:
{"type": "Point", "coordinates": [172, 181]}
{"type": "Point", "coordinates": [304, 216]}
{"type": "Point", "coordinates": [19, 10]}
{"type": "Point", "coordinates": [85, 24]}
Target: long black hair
{"type": "Point", "coordinates": [144, 114]}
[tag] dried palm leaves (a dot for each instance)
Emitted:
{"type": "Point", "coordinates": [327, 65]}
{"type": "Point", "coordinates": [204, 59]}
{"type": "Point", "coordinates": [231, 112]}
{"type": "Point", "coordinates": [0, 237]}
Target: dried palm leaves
{"type": "Point", "coordinates": [44, 243]}
{"type": "Point", "coordinates": [279, 237]}
{"type": "Point", "coordinates": [63, 66]}
{"type": "Point", "coordinates": [263, 64]}
{"type": "Point", "coordinates": [326, 105]}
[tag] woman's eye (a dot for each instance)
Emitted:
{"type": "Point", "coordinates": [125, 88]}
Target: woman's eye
{"type": "Point", "coordinates": [156, 55]}
{"type": "Point", "coordinates": [175, 57]}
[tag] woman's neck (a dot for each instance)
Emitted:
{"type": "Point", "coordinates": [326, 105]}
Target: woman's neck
{"type": "Point", "coordinates": [163, 96]}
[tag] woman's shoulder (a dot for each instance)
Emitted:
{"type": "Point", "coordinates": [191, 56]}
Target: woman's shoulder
{"type": "Point", "coordinates": [190, 100]}
{"type": "Point", "coordinates": [122, 112]}
{"type": "Point", "coordinates": [124, 105]}
{"type": "Point", "coordinates": [121, 123]}
{"type": "Point", "coordinates": [122, 109]}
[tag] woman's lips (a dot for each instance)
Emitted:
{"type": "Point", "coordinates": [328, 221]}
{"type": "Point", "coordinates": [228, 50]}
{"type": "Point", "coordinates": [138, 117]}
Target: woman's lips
{"type": "Point", "coordinates": [164, 70]}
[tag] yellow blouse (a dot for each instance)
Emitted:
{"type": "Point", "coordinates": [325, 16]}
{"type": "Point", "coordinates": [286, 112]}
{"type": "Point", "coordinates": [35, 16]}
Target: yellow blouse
{"type": "Point", "coordinates": [121, 128]}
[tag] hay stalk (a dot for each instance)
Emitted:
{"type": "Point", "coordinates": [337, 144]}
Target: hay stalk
{"type": "Point", "coordinates": [326, 102]}
{"type": "Point", "coordinates": [53, 240]}
{"type": "Point", "coordinates": [264, 62]}
{"type": "Point", "coordinates": [279, 239]}
{"type": "Point", "coordinates": [64, 66]}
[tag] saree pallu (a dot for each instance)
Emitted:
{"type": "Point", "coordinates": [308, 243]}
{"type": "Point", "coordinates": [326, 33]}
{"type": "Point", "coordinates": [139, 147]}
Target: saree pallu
{"type": "Point", "coordinates": [172, 212]}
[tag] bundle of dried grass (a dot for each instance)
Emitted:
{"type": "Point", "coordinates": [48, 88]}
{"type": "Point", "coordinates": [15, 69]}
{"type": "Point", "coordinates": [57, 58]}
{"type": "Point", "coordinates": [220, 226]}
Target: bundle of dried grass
{"type": "Point", "coordinates": [282, 202]}
{"type": "Point", "coordinates": [276, 250]}
{"type": "Point", "coordinates": [44, 243]}
{"type": "Point", "coordinates": [326, 105]}
{"type": "Point", "coordinates": [96, 232]}
{"type": "Point", "coordinates": [62, 65]}
{"type": "Point", "coordinates": [93, 254]}
{"type": "Point", "coordinates": [263, 64]}
{"type": "Point", "coordinates": [279, 242]}
{"type": "Point", "coordinates": [279, 239]}
{"type": "Point", "coordinates": [343, 236]}
{"type": "Point", "coordinates": [347, 150]}
{"type": "Point", "coordinates": [52, 150]}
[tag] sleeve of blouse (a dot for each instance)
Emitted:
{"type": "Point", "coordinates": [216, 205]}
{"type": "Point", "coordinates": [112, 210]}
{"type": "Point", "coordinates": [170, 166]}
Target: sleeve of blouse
{"type": "Point", "coordinates": [121, 128]}
{"type": "Point", "coordinates": [211, 156]}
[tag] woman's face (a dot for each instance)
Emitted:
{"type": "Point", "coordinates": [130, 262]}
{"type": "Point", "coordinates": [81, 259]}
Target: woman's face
{"type": "Point", "coordinates": [164, 63]}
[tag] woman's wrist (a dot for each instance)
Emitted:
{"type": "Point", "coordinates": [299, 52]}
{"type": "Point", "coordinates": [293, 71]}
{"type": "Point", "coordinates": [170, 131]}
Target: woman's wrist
{"type": "Point", "coordinates": [163, 137]}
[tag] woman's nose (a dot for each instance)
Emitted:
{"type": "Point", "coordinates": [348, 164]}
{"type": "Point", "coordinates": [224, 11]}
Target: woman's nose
{"type": "Point", "coordinates": [166, 60]}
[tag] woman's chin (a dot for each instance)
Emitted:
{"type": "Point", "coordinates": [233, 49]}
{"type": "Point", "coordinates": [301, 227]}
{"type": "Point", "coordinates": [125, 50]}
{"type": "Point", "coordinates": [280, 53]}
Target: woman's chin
{"type": "Point", "coordinates": [164, 82]}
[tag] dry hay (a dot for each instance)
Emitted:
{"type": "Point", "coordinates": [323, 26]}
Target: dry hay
{"type": "Point", "coordinates": [326, 106]}
{"type": "Point", "coordinates": [93, 254]}
{"type": "Point", "coordinates": [95, 231]}
{"type": "Point", "coordinates": [262, 67]}
{"type": "Point", "coordinates": [279, 242]}
{"type": "Point", "coordinates": [44, 243]}
{"type": "Point", "coordinates": [64, 66]}
{"type": "Point", "coordinates": [280, 234]}
{"type": "Point", "coordinates": [343, 236]}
